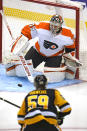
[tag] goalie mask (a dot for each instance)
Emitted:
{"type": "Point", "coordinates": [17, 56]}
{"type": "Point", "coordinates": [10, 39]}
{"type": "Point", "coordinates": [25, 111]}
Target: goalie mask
{"type": "Point", "coordinates": [56, 24]}
{"type": "Point", "coordinates": [40, 81]}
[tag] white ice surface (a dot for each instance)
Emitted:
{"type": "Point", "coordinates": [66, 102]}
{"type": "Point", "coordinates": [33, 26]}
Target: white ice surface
{"type": "Point", "coordinates": [75, 94]}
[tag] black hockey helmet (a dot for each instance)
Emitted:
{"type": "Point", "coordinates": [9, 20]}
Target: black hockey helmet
{"type": "Point", "coordinates": [40, 81]}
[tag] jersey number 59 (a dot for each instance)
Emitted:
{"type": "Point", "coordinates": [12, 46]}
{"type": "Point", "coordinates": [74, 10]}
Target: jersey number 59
{"type": "Point", "coordinates": [38, 101]}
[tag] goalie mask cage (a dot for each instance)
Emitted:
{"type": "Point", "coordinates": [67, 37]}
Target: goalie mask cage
{"type": "Point", "coordinates": [18, 13]}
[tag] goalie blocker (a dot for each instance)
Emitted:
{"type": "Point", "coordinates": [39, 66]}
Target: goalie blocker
{"type": "Point", "coordinates": [72, 64]}
{"type": "Point", "coordinates": [71, 61]}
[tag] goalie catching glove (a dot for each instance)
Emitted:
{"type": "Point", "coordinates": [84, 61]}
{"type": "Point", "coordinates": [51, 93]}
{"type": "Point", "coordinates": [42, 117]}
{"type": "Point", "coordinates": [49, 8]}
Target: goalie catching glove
{"type": "Point", "coordinates": [71, 61]}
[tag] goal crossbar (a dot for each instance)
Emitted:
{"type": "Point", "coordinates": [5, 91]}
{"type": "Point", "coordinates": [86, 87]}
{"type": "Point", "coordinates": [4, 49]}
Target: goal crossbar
{"type": "Point", "coordinates": [53, 4]}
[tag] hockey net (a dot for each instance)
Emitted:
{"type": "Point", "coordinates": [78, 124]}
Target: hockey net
{"type": "Point", "coordinates": [18, 13]}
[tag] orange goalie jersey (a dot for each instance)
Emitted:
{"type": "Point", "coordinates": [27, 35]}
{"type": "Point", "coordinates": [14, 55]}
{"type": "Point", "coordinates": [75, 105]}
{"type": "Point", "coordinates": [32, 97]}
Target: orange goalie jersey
{"type": "Point", "coordinates": [49, 44]}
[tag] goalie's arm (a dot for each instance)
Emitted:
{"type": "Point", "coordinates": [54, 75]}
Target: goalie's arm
{"type": "Point", "coordinates": [63, 107]}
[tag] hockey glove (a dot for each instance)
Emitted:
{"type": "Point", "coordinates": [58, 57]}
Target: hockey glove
{"type": "Point", "coordinates": [71, 61]}
{"type": "Point", "coordinates": [60, 121]}
{"type": "Point", "coordinates": [60, 118]}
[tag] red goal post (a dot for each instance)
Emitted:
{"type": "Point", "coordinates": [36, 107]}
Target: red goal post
{"type": "Point", "coordinates": [1, 8]}
{"type": "Point", "coordinates": [77, 12]}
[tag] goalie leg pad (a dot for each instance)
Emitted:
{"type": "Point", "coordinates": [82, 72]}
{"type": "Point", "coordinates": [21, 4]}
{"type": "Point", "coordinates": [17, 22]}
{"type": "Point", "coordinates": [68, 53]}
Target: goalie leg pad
{"type": "Point", "coordinates": [16, 68]}
{"type": "Point", "coordinates": [20, 70]}
{"type": "Point", "coordinates": [70, 73]}
{"type": "Point", "coordinates": [55, 74]}
{"type": "Point", "coordinates": [10, 69]}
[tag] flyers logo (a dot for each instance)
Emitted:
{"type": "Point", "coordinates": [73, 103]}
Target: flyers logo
{"type": "Point", "coordinates": [50, 45]}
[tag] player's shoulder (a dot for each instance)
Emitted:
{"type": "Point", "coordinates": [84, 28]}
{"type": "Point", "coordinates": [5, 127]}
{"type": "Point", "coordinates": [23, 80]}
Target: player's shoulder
{"type": "Point", "coordinates": [67, 31]}
{"type": "Point", "coordinates": [43, 25]}
{"type": "Point", "coordinates": [26, 28]}
{"type": "Point", "coordinates": [52, 90]}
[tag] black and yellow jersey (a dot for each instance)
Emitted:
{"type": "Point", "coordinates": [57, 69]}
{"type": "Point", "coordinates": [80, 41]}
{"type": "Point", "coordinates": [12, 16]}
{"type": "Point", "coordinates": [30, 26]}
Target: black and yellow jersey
{"type": "Point", "coordinates": [41, 105]}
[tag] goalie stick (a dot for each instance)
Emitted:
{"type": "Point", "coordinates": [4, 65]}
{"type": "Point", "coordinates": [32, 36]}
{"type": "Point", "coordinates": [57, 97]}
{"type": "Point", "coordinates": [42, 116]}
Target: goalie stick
{"type": "Point", "coordinates": [26, 68]}
{"type": "Point", "coordinates": [9, 102]}
{"type": "Point", "coordinates": [6, 23]}
{"type": "Point", "coordinates": [21, 57]}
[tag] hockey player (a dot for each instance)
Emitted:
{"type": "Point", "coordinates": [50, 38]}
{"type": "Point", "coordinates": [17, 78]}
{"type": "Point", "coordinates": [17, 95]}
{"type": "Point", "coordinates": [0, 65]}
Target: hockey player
{"type": "Point", "coordinates": [39, 112]}
{"type": "Point", "coordinates": [53, 41]}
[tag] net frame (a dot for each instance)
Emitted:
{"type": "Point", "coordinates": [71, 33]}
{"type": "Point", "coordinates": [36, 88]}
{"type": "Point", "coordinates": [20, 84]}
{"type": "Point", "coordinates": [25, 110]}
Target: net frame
{"type": "Point", "coordinates": [77, 23]}
{"type": "Point", "coordinates": [1, 8]}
